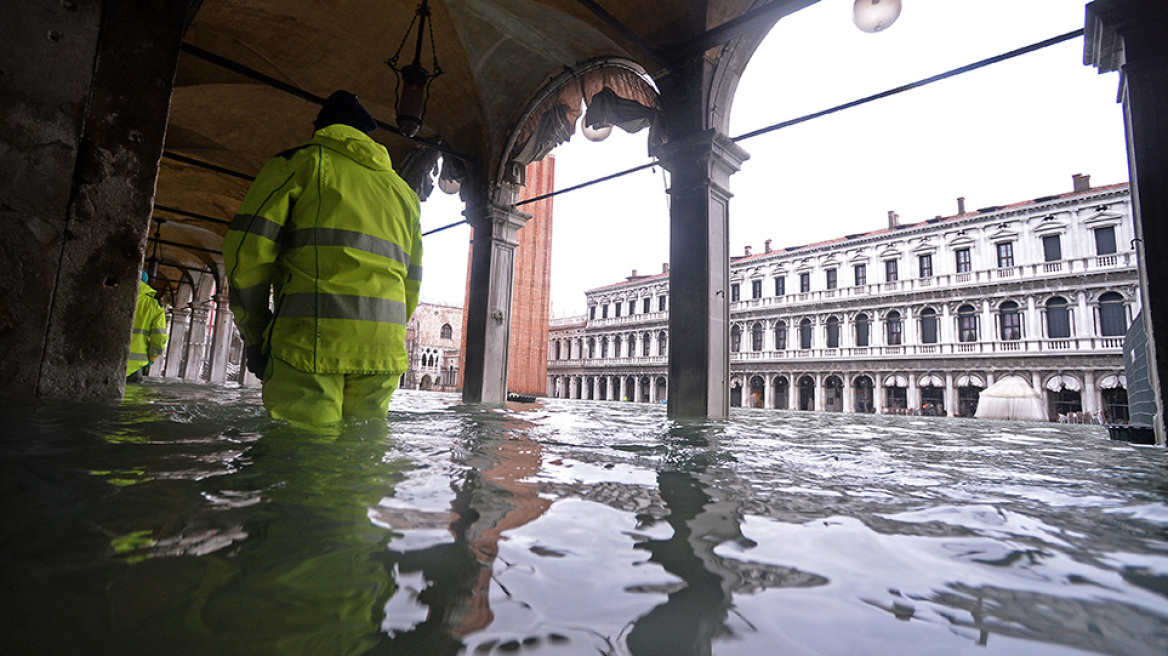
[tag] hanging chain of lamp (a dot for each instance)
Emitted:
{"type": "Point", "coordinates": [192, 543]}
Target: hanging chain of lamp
{"type": "Point", "coordinates": [875, 15]}
{"type": "Point", "coordinates": [413, 80]}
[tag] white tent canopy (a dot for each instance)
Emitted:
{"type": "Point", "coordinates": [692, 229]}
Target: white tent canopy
{"type": "Point", "coordinates": [1011, 398]}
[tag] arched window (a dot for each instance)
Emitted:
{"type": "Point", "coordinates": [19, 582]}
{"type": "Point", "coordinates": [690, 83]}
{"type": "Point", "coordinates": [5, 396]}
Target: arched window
{"type": "Point", "coordinates": [447, 331]}
{"type": "Point", "coordinates": [662, 343]}
{"type": "Point", "coordinates": [928, 326]}
{"type": "Point", "coordinates": [1112, 315]}
{"type": "Point", "coordinates": [756, 337]}
{"type": "Point", "coordinates": [1011, 321]}
{"type": "Point", "coordinates": [781, 336]}
{"type": "Point", "coordinates": [966, 324]}
{"type": "Point", "coordinates": [735, 338]}
{"type": "Point", "coordinates": [645, 344]}
{"type": "Point", "coordinates": [833, 332]}
{"type": "Point", "coordinates": [558, 350]}
{"type": "Point", "coordinates": [631, 349]}
{"type": "Point", "coordinates": [805, 334]}
{"type": "Point", "coordinates": [1058, 318]}
{"type": "Point", "coordinates": [591, 348]}
{"type": "Point", "coordinates": [895, 329]}
{"type": "Point", "coordinates": [616, 345]}
{"type": "Point", "coordinates": [862, 330]}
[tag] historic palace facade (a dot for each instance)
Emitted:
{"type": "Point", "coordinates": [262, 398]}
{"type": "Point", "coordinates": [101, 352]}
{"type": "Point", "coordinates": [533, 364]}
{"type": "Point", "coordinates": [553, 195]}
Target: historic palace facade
{"type": "Point", "coordinates": [916, 318]}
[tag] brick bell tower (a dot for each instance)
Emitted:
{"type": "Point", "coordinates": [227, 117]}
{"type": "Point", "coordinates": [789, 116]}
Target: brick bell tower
{"type": "Point", "coordinates": [531, 289]}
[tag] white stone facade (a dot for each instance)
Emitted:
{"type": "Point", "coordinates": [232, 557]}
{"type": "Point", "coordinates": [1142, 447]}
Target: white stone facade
{"type": "Point", "coordinates": [910, 319]}
{"type": "Point", "coordinates": [433, 341]}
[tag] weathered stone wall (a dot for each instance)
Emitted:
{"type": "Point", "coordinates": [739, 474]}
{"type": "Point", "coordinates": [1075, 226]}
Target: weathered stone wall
{"type": "Point", "coordinates": [86, 93]}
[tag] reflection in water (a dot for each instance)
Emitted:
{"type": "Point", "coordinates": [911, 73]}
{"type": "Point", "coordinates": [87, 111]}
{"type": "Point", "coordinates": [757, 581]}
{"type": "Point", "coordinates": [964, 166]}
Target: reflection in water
{"type": "Point", "coordinates": [185, 521]}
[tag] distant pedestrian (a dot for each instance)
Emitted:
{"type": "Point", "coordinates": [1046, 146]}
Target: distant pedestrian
{"type": "Point", "coordinates": [148, 337]}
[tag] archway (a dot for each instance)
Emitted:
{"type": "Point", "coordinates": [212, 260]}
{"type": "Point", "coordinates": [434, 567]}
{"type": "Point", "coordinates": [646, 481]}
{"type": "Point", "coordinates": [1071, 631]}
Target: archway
{"type": "Point", "coordinates": [782, 392]}
{"type": "Point", "coordinates": [757, 391]}
{"type": "Point", "coordinates": [864, 394]}
{"type": "Point", "coordinates": [833, 397]}
{"type": "Point", "coordinates": [807, 393]}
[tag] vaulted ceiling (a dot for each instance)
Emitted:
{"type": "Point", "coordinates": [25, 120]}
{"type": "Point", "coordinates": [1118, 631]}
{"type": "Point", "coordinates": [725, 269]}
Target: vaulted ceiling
{"type": "Point", "coordinates": [250, 69]}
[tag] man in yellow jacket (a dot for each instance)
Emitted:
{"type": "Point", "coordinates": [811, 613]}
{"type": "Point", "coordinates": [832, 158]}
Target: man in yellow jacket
{"type": "Point", "coordinates": [148, 338]}
{"type": "Point", "coordinates": [332, 234]}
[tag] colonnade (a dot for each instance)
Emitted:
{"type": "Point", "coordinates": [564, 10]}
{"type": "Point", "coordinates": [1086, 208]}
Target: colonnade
{"type": "Point", "coordinates": [203, 345]}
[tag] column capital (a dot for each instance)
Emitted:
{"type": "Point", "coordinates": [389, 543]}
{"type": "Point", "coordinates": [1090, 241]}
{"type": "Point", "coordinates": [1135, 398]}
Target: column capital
{"type": "Point", "coordinates": [497, 222]}
{"type": "Point", "coordinates": [711, 148]}
{"type": "Point", "coordinates": [1122, 32]}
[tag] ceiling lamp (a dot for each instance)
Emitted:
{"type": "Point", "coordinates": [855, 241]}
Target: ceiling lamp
{"type": "Point", "coordinates": [875, 15]}
{"type": "Point", "coordinates": [413, 80]}
{"type": "Point", "coordinates": [153, 261]}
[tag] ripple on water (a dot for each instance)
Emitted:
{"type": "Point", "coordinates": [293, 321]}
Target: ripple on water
{"type": "Point", "coordinates": [566, 527]}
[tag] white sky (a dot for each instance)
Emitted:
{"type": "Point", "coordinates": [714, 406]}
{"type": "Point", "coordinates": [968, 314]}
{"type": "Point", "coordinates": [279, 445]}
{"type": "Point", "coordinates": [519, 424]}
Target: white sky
{"type": "Point", "coordinates": [1006, 133]}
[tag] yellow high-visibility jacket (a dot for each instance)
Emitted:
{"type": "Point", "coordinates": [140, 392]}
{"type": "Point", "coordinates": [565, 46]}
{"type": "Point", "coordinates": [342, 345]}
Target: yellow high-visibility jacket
{"type": "Point", "coordinates": [148, 338]}
{"type": "Point", "coordinates": [332, 233]}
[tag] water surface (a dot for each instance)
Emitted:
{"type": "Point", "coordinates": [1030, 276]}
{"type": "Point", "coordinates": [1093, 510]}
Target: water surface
{"type": "Point", "coordinates": [184, 521]}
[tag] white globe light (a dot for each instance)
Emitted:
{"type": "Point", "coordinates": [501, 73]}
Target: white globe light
{"type": "Point", "coordinates": [449, 185]}
{"type": "Point", "coordinates": [598, 133]}
{"type": "Point", "coordinates": [875, 15]}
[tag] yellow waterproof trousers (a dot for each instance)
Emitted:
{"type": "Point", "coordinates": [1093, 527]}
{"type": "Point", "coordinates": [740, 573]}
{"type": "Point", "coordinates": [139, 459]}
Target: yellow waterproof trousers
{"type": "Point", "coordinates": [299, 396]}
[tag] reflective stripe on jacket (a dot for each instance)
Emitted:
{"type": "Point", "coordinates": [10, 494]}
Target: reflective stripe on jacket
{"type": "Point", "coordinates": [148, 338]}
{"type": "Point", "coordinates": [333, 234]}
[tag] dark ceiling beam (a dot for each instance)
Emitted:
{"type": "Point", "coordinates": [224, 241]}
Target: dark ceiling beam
{"type": "Point", "coordinates": [166, 154]}
{"type": "Point", "coordinates": [751, 21]}
{"type": "Point", "coordinates": [657, 56]}
{"type": "Point", "coordinates": [192, 215]}
{"type": "Point", "coordinates": [248, 72]}
{"type": "Point", "coordinates": [186, 246]}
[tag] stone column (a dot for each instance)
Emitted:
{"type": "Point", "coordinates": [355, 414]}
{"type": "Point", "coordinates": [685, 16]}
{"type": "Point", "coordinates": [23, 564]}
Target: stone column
{"type": "Point", "coordinates": [488, 326]}
{"type": "Point", "coordinates": [1128, 35]}
{"type": "Point", "coordinates": [914, 395]}
{"type": "Point", "coordinates": [221, 339]}
{"type": "Point", "coordinates": [1032, 329]}
{"type": "Point", "coordinates": [700, 164]}
{"type": "Point", "coordinates": [849, 396]}
{"type": "Point", "coordinates": [197, 342]}
{"type": "Point", "coordinates": [1092, 400]}
{"type": "Point", "coordinates": [1084, 321]}
{"type": "Point", "coordinates": [820, 393]}
{"type": "Point", "coordinates": [86, 98]}
{"type": "Point", "coordinates": [878, 394]}
{"type": "Point", "coordinates": [945, 330]}
{"type": "Point", "coordinates": [950, 394]}
{"type": "Point", "coordinates": [768, 394]}
{"type": "Point", "coordinates": [176, 345]}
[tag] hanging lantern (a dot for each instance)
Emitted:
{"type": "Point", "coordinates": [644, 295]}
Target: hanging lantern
{"type": "Point", "coordinates": [413, 80]}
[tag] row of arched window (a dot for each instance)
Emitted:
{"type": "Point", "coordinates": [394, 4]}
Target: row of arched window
{"type": "Point", "coordinates": [611, 346]}
{"type": "Point", "coordinates": [1112, 322]}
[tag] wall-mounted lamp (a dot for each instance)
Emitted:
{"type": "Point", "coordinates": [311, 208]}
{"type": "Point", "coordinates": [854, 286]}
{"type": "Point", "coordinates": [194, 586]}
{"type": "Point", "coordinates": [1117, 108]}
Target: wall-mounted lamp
{"type": "Point", "coordinates": [413, 80]}
{"type": "Point", "coordinates": [875, 15]}
{"type": "Point", "coordinates": [598, 132]}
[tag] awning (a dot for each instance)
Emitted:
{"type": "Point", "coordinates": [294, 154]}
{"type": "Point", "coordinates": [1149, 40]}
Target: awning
{"type": "Point", "coordinates": [896, 381]}
{"type": "Point", "coordinates": [1113, 381]}
{"type": "Point", "coordinates": [970, 380]}
{"type": "Point", "coordinates": [930, 381]}
{"type": "Point", "coordinates": [1059, 382]}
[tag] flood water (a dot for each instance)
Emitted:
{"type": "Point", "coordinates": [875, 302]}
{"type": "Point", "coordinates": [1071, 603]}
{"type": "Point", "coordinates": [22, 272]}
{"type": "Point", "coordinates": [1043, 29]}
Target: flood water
{"type": "Point", "coordinates": [184, 521]}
